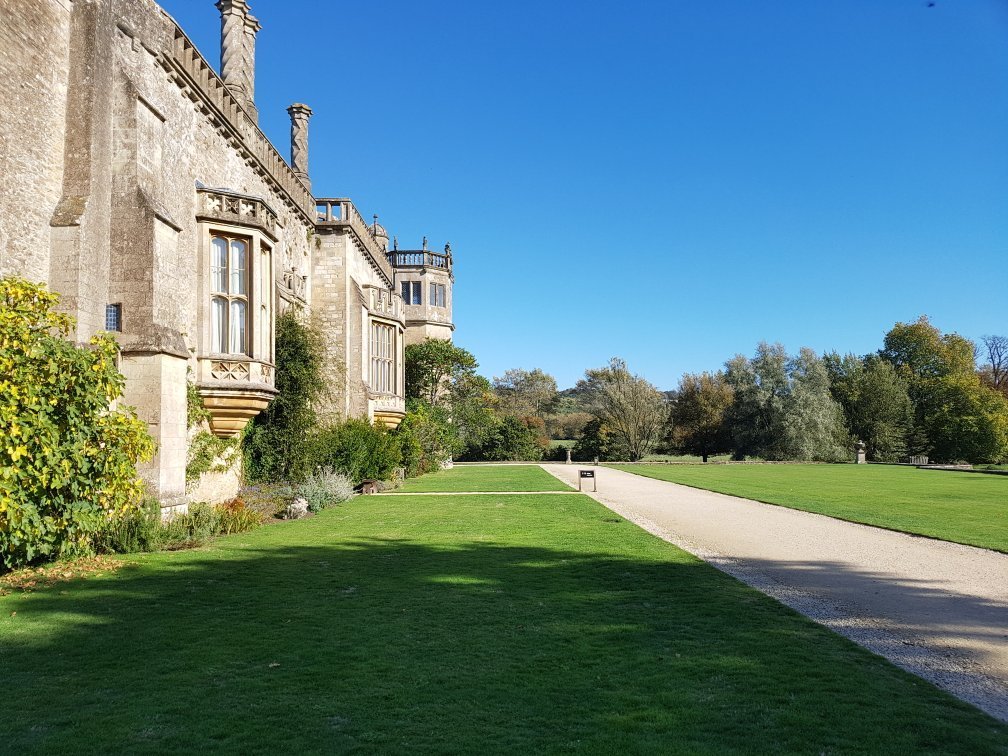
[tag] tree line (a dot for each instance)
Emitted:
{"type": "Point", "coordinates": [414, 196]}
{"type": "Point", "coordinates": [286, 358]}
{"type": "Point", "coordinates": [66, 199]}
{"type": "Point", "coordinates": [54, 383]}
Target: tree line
{"type": "Point", "coordinates": [922, 393]}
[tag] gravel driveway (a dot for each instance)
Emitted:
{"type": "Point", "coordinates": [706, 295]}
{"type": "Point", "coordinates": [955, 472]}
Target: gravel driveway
{"type": "Point", "coordinates": [937, 609]}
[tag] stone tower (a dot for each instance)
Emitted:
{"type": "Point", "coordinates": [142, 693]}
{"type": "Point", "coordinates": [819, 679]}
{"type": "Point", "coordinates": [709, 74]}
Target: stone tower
{"type": "Point", "coordinates": [424, 280]}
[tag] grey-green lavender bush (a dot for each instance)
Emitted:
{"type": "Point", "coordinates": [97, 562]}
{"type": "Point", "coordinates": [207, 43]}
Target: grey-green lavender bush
{"type": "Point", "coordinates": [325, 488]}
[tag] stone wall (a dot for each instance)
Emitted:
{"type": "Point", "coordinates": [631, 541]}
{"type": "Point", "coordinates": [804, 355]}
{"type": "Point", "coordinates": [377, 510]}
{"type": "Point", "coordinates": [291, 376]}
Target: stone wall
{"type": "Point", "coordinates": [34, 69]}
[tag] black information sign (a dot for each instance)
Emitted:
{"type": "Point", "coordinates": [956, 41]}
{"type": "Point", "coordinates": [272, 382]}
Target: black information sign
{"type": "Point", "coordinates": [587, 474]}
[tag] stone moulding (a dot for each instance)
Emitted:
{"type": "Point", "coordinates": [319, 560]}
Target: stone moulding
{"type": "Point", "coordinates": [388, 409]}
{"type": "Point", "coordinates": [234, 390]}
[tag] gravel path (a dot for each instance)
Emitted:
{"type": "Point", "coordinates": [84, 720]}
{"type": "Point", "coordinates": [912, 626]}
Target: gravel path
{"type": "Point", "coordinates": [937, 609]}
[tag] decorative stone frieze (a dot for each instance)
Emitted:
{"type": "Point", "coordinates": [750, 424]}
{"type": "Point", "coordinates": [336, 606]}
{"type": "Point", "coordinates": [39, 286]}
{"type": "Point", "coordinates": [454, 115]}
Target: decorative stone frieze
{"type": "Point", "coordinates": [240, 209]}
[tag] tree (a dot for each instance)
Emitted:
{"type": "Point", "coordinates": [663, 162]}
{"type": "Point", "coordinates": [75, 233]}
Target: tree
{"type": "Point", "coordinates": [963, 418]}
{"type": "Point", "coordinates": [698, 414]}
{"type": "Point", "coordinates": [525, 392]}
{"type": "Point", "coordinates": [813, 421]}
{"type": "Point", "coordinates": [433, 367]}
{"type": "Point", "coordinates": [597, 442]}
{"type": "Point", "coordinates": [760, 388]}
{"type": "Point", "coordinates": [920, 351]}
{"type": "Point", "coordinates": [633, 410]}
{"type": "Point", "coordinates": [994, 372]}
{"type": "Point", "coordinates": [68, 461]}
{"type": "Point", "coordinates": [875, 403]}
{"type": "Point", "coordinates": [473, 413]}
{"type": "Point", "coordinates": [969, 421]}
{"type": "Point", "coordinates": [782, 407]}
{"type": "Point", "coordinates": [568, 425]}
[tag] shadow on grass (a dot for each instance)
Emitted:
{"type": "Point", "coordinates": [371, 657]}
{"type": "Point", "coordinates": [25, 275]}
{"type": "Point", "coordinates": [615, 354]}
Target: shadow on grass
{"type": "Point", "coordinates": [390, 645]}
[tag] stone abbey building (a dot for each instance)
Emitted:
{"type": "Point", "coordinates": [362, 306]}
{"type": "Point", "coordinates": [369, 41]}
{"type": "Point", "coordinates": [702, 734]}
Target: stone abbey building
{"type": "Point", "coordinates": [139, 186]}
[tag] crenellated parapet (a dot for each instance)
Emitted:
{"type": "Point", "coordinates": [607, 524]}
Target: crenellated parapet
{"type": "Point", "coordinates": [215, 99]}
{"type": "Point", "coordinates": [340, 214]}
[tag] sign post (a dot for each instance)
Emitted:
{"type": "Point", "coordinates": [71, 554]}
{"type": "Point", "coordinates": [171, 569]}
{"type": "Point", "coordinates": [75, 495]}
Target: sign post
{"type": "Point", "coordinates": [583, 474]}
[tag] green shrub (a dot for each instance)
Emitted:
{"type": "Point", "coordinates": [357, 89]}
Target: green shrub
{"type": "Point", "coordinates": [326, 488]}
{"type": "Point", "coordinates": [143, 530]}
{"type": "Point", "coordinates": [513, 439]}
{"type": "Point", "coordinates": [194, 528]}
{"type": "Point", "coordinates": [236, 516]}
{"type": "Point", "coordinates": [274, 441]}
{"type": "Point", "coordinates": [428, 438]}
{"type": "Point", "coordinates": [135, 531]}
{"type": "Point", "coordinates": [268, 499]}
{"type": "Point", "coordinates": [358, 449]}
{"type": "Point", "coordinates": [67, 457]}
{"type": "Point", "coordinates": [597, 442]}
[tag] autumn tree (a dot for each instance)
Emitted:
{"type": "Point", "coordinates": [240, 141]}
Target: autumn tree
{"type": "Point", "coordinates": [698, 414]}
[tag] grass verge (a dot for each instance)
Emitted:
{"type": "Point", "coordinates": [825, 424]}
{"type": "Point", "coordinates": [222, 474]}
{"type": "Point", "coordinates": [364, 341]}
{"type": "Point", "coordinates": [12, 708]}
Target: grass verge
{"type": "Point", "coordinates": [485, 478]}
{"type": "Point", "coordinates": [969, 509]}
{"type": "Point", "coordinates": [482, 624]}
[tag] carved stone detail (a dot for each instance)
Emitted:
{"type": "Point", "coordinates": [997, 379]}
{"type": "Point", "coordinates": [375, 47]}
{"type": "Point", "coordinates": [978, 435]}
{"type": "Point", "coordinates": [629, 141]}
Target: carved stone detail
{"type": "Point", "coordinates": [233, 60]}
{"type": "Point", "coordinates": [241, 210]}
{"type": "Point", "coordinates": [229, 371]}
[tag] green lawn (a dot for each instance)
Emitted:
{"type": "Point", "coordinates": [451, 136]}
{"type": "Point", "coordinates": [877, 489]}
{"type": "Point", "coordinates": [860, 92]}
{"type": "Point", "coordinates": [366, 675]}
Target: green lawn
{"type": "Point", "coordinates": [486, 478]}
{"type": "Point", "coordinates": [961, 507]}
{"type": "Point", "coordinates": [479, 624]}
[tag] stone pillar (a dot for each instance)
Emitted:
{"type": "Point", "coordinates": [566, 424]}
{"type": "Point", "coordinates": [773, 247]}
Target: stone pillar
{"type": "Point", "coordinates": [252, 27]}
{"type": "Point", "coordinates": [299, 115]}
{"type": "Point", "coordinates": [234, 16]}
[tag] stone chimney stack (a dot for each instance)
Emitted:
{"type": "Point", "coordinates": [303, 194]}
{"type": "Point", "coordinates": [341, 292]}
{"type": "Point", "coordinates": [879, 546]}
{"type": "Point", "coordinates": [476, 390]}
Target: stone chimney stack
{"type": "Point", "coordinates": [299, 115]}
{"type": "Point", "coordinates": [238, 31]}
{"type": "Point", "coordinates": [252, 27]}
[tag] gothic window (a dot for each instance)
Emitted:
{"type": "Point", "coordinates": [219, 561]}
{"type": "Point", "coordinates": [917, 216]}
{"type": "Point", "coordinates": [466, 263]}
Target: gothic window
{"type": "Point", "coordinates": [411, 292]}
{"type": "Point", "coordinates": [437, 295]}
{"type": "Point", "coordinates": [229, 286]}
{"type": "Point", "coordinates": [383, 358]}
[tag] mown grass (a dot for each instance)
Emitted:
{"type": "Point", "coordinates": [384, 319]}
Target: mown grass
{"type": "Point", "coordinates": [485, 478]}
{"type": "Point", "coordinates": [960, 507]}
{"type": "Point", "coordinates": [454, 624]}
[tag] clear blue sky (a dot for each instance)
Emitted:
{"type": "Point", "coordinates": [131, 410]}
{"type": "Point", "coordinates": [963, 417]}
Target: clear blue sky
{"type": "Point", "coordinates": [670, 182]}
